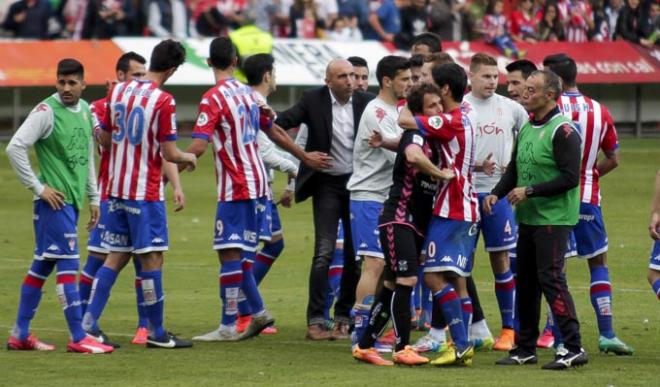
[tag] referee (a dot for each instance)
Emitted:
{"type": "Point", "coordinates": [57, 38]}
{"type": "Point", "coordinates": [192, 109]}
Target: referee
{"type": "Point", "coordinates": [542, 182]}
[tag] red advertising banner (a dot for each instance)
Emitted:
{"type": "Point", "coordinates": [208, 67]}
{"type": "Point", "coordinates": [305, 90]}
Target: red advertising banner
{"type": "Point", "coordinates": [610, 62]}
{"type": "Point", "coordinates": [34, 63]}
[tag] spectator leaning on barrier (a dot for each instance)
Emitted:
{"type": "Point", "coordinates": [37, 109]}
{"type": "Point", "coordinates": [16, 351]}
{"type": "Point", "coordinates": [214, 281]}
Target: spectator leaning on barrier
{"type": "Point", "coordinates": [524, 22]}
{"type": "Point", "coordinates": [551, 29]}
{"type": "Point", "coordinates": [630, 23]}
{"type": "Point", "coordinates": [612, 11]}
{"type": "Point", "coordinates": [28, 19]}
{"type": "Point", "coordinates": [344, 29]}
{"type": "Point", "coordinates": [384, 19]}
{"type": "Point", "coordinates": [106, 19]}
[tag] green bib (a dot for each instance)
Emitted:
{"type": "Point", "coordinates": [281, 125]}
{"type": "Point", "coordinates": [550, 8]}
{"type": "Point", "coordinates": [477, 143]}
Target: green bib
{"type": "Point", "coordinates": [64, 155]}
{"type": "Point", "coordinates": [536, 164]}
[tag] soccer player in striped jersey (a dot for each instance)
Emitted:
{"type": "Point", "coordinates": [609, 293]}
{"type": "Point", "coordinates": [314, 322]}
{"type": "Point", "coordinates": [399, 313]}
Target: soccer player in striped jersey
{"type": "Point", "coordinates": [452, 234]}
{"type": "Point", "coordinates": [139, 128]}
{"type": "Point", "coordinates": [230, 115]}
{"type": "Point", "coordinates": [598, 133]}
{"type": "Point", "coordinates": [654, 232]}
{"type": "Point", "coordinates": [60, 129]}
{"type": "Point", "coordinates": [129, 66]}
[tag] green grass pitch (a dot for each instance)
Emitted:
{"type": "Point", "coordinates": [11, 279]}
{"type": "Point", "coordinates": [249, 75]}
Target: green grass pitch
{"type": "Point", "coordinates": [193, 306]}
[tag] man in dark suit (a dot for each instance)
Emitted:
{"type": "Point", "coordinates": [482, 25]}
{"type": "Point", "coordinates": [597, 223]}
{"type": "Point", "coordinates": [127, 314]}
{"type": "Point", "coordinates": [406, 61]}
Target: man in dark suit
{"type": "Point", "coordinates": [331, 113]}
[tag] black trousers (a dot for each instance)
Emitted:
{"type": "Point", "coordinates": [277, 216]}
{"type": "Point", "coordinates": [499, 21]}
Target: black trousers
{"type": "Point", "coordinates": [331, 203]}
{"type": "Point", "coordinates": [541, 252]}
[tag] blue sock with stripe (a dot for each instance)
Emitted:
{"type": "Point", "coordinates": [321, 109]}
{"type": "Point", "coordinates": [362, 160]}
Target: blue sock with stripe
{"type": "Point", "coordinates": [87, 275]}
{"type": "Point", "coordinates": [505, 292]}
{"type": "Point", "coordinates": [67, 293]}
{"type": "Point", "coordinates": [231, 276]}
{"type": "Point", "coordinates": [450, 304]}
{"type": "Point", "coordinates": [103, 282]}
{"type": "Point", "coordinates": [143, 320]}
{"type": "Point", "coordinates": [31, 296]}
{"type": "Point", "coordinates": [265, 259]}
{"type": "Point", "coordinates": [154, 301]}
{"type": "Point", "coordinates": [601, 299]}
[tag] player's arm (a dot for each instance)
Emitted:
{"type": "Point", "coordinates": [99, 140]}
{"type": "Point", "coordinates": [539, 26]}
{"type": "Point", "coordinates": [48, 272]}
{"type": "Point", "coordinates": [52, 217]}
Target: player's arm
{"type": "Point", "coordinates": [610, 147]}
{"type": "Point", "coordinates": [436, 127]}
{"type": "Point", "coordinates": [39, 124]}
{"type": "Point", "coordinates": [92, 188]}
{"type": "Point", "coordinates": [507, 183]}
{"type": "Point", "coordinates": [171, 172]}
{"type": "Point", "coordinates": [416, 157]}
{"type": "Point", "coordinates": [654, 226]}
{"type": "Point", "coordinates": [274, 158]}
{"type": "Point", "coordinates": [315, 160]}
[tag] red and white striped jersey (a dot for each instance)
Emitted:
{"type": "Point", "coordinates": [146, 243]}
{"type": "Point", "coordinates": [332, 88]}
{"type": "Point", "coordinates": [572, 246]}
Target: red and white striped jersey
{"type": "Point", "coordinates": [597, 130]}
{"type": "Point", "coordinates": [98, 108]}
{"type": "Point", "coordinates": [454, 140]}
{"type": "Point", "coordinates": [140, 116]}
{"type": "Point", "coordinates": [576, 15]}
{"type": "Point", "coordinates": [229, 117]}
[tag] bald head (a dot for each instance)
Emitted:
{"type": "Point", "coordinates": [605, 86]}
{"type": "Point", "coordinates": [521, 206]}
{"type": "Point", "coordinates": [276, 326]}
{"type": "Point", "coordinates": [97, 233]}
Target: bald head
{"type": "Point", "coordinates": [339, 77]}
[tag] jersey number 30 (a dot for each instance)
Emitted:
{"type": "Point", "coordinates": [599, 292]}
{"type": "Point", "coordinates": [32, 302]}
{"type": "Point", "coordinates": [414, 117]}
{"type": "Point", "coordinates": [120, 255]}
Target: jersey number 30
{"type": "Point", "coordinates": [131, 126]}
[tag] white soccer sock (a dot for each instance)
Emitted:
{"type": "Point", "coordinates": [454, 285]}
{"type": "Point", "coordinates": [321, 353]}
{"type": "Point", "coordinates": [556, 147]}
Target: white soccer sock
{"type": "Point", "coordinates": [438, 335]}
{"type": "Point", "coordinates": [480, 330]}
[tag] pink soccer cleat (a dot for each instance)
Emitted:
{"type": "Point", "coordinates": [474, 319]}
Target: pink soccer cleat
{"type": "Point", "coordinates": [88, 345]}
{"type": "Point", "coordinates": [29, 344]}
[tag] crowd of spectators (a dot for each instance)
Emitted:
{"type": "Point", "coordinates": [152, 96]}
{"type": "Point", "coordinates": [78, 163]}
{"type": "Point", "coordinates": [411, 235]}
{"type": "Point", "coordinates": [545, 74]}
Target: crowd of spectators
{"type": "Point", "coordinates": [395, 21]}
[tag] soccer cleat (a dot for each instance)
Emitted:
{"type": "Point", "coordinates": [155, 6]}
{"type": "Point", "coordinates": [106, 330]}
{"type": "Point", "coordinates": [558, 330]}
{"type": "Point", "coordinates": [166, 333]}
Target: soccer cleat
{"type": "Point", "coordinates": [483, 344]}
{"type": "Point", "coordinates": [546, 340]}
{"type": "Point", "coordinates": [370, 355]}
{"type": "Point", "coordinates": [614, 345]}
{"type": "Point", "coordinates": [427, 343]}
{"type": "Point", "coordinates": [140, 337]}
{"type": "Point", "coordinates": [408, 356]}
{"type": "Point", "coordinates": [102, 338]}
{"type": "Point", "coordinates": [29, 344]}
{"type": "Point", "coordinates": [565, 359]}
{"type": "Point", "coordinates": [506, 340]}
{"type": "Point", "coordinates": [168, 342]}
{"type": "Point", "coordinates": [518, 357]}
{"type": "Point", "coordinates": [388, 337]}
{"type": "Point", "coordinates": [271, 330]}
{"type": "Point", "coordinates": [453, 356]}
{"type": "Point", "coordinates": [242, 323]}
{"type": "Point", "coordinates": [220, 334]}
{"type": "Point", "coordinates": [89, 345]}
{"type": "Point", "coordinates": [259, 323]}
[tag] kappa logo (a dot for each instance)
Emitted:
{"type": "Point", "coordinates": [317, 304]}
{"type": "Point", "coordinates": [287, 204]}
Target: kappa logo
{"type": "Point", "coordinates": [157, 240]}
{"type": "Point", "coordinates": [436, 122]}
{"type": "Point", "coordinates": [234, 237]}
{"type": "Point", "coordinates": [456, 321]}
{"type": "Point", "coordinates": [446, 258]}
{"type": "Point", "coordinates": [53, 247]}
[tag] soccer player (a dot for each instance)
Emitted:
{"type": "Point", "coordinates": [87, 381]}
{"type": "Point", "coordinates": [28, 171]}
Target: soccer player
{"type": "Point", "coordinates": [260, 74]}
{"type": "Point", "coordinates": [542, 182]}
{"type": "Point", "coordinates": [372, 178]}
{"type": "Point", "coordinates": [139, 128]}
{"type": "Point", "coordinates": [416, 63]}
{"type": "Point", "coordinates": [654, 232]}
{"type": "Point", "coordinates": [361, 72]}
{"type": "Point", "coordinates": [426, 43]}
{"type": "Point", "coordinates": [452, 233]}
{"type": "Point", "coordinates": [430, 61]}
{"type": "Point", "coordinates": [496, 120]}
{"type": "Point", "coordinates": [129, 66]}
{"type": "Point", "coordinates": [402, 225]}
{"type": "Point", "coordinates": [230, 115]}
{"type": "Point", "coordinates": [598, 133]}
{"type": "Point", "coordinates": [60, 129]}
{"type": "Point", "coordinates": [517, 73]}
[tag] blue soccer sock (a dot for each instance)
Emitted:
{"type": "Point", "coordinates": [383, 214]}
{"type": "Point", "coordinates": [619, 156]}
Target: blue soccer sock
{"type": "Point", "coordinates": [656, 288]}
{"type": "Point", "coordinates": [250, 289]}
{"type": "Point", "coordinates": [265, 259]}
{"type": "Point", "coordinates": [154, 301]}
{"type": "Point", "coordinates": [466, 308]}
{"type": "Point", "coordinates": [513, 262]}
{"type": "Point", "coordinates": [87, 275]}
{"type": "Point", "coordinates": [450, 304]}
{"type": "Point", "coordinates": [361, 317]}
{"type": "Point", "coordinates": [231, 276]}
{"type": "Point", "coordinates": [601, 299]}
{"type": "Point", "coordinates": [143, 320]}
{"type": "Point", "coordinates": [103, 282]}
{"type": "Point", "coordinates": [505, 292]}
{"type": "Point", "coordinates": [334, 280]}
{"type": "Point", "coordinates": [67, 293]}
{"type": "Point", "coordinates": [30, 296]}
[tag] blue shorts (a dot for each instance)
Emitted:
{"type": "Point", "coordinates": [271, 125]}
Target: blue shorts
{"type": "Point", "coordinates": [589, 232]}
{"type": "Point", "coordinates": [55, 231]}
{"type": "Point", "coordinates": [237, 224]}
{"type": "Point", "coordinates": [136, 226]}
{"type": "Point", "coordinates": [270, 223]}
{"type": "Point", "coordinates": [571, 249]}
{"type": "Point", "coordinates": [654, 261]}
{"type": "Point", "coordinates": [450, 246]}
{"type": "Point", "coordinates": [95, 239]}
{"type": "Point", "coordinates": [364, 228]}
{"type": "Point", "coordinates": [499, 228]}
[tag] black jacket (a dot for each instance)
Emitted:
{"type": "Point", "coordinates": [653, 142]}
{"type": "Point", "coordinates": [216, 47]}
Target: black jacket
{"type": "Point", "coordinates": [315, 110]}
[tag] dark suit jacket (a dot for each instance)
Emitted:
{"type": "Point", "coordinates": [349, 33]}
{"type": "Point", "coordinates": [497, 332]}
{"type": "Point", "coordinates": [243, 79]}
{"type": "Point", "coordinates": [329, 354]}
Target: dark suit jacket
{"type": "Point", "coordinates": [315, 110]}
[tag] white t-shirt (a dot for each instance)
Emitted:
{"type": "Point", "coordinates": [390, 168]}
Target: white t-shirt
{"type": "Point", "coordinates": [372, 167]}
{"type": "Point", "coordinates": [496, 122]}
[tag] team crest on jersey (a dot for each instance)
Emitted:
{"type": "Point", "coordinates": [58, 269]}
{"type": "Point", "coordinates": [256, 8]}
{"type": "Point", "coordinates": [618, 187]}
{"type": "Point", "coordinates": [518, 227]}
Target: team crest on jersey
{"type": "Point", "coordinates": [380, 114]}
{"type": "Point", "coordinates": [203, 119]}
{"type": "Point", "coordinates": [435, 122]}
{"type": "Point", "coordinates": [417, 139]}
{"type": "Point", "coordinates": [72, 244]}
{"type": "Point", "coordinates": [42, 107]}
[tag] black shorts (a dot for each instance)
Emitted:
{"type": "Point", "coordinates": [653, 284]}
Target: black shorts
{"type": "Point", "coordinates": [401, 246]}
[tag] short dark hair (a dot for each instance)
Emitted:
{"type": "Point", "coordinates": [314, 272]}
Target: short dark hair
{"type": "Point", "coordinates": [454, 76]}
{"type": "Point", "coordinates": [481, 59]}
{"type": "Point", "coordinates": [415, 99]}
{"type": "Point", "coordinates": [390, 66]}
{"type": "Point", "coordinates": [255, 66]}
{"type": "Point", "coordinates": [222, 53]}
{"type": "Point", "coordinates": [166, 55]}
{"type": "Point", "coordinates": [433, 41]}
{"type": "Point", "coordinates": [124, 61]}
{"type": "Point", "coordinates": [70, 66]}
{"type": "Point", "coordinates": [438, 58]}
{"type": "Point", "coordinates": [417, 60]}
{"type": "Point", "coordinates": [562, 65]}
{"type": "Point", "coordinates": [525, 67]}
{"type": "Point", "coordinates": [357, 61]}
{"type": "Point", "coordinates": [551, 81]}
